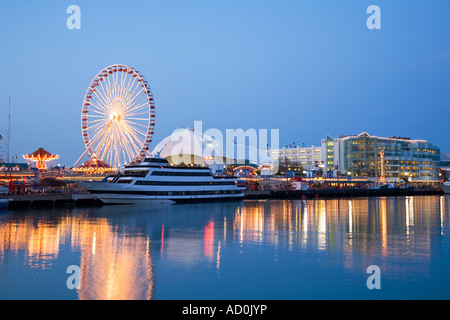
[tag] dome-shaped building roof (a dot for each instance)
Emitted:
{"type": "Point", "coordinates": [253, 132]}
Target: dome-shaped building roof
{"type": "Point", "coordinates": [185, 146]}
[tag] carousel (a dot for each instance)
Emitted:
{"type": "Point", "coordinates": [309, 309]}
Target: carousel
{"type": "Point", "coordinates": [94, 166]}
{"type": "Point", "coordinates": [40, 157]}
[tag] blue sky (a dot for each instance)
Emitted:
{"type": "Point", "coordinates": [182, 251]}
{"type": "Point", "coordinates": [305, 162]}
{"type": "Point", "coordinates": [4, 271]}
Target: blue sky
{"type": "Point", "coordinates": [308, 68]}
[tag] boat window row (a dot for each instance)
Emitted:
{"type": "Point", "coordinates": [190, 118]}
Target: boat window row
{"type": "Point", "coordinates": [174, 173]}
{"type": "Point", "coordinates": [185, 183]}
{"type": "Point", "coordinates": [169, 193]}
{"type": "Point", "coordinates": [135, 173]}
{"type": "Point", "coordinates": [124, 181]}
{"type": "Point", "coordinates": [155, 160]}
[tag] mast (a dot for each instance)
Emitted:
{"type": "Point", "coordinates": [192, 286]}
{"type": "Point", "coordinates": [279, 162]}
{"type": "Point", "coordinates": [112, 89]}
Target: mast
{"type": "Point", "coordinates": [9, 125]}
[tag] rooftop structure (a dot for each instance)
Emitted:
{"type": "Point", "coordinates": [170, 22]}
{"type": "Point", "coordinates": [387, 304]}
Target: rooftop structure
{"type": "Point", "coordinates": [94, 165]}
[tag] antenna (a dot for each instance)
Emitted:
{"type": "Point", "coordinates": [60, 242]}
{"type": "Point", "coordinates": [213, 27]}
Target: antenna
{"type": "Point", "coordinates": [9, 125]}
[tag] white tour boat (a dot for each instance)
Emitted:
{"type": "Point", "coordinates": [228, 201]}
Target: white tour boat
{"type": "Point", "coordinates": [155, 180]}
{"type": "Point", "coordinates": [445, 187]}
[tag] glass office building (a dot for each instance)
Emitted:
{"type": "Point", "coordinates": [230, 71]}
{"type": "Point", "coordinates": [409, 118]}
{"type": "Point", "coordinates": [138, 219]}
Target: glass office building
{"type": "Point", "coordinates": [404, 158]}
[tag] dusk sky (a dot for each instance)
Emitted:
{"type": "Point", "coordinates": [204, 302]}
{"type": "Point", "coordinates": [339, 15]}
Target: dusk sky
{"type": "Point", "coordinates": [307, 68]}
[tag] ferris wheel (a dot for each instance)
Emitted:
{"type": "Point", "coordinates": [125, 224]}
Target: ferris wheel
{"type": "Point", "coordinates": [118, 116]}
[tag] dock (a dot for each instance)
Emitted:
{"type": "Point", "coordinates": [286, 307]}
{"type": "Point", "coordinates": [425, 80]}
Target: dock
{"type": "Point", "coordinates": [51, 200]}
{"type": "Point", "coordinates": [85, 199]}
{"type": "Point", "coordinates": [335, 193]}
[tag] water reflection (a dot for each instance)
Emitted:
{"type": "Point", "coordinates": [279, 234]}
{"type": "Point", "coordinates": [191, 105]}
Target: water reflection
{"type": "Point", "coordinates": [113, 264]}
{"type": "Point", "coordinates": [121, 250]}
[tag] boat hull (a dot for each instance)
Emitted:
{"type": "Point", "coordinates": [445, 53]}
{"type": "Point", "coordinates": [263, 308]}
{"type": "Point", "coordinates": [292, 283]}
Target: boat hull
{"type": "Point", "coordinates": [113, 194]}
{"type": "Point", "coordinates": [445, 188]}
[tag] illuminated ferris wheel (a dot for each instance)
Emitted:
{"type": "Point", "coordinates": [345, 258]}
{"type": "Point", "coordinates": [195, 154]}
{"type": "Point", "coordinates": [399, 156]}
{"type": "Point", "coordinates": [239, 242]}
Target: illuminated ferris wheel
{"type": "Point", "coordinates": [118, 116]}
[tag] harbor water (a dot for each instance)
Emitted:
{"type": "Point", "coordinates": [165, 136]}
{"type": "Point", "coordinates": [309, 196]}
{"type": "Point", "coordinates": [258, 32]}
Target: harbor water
{"type": "Point", "coordinates": [251, 249]}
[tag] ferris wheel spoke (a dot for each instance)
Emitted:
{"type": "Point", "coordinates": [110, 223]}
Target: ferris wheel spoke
{"type": "Point", "coordinates": [97, 101]}
{"type": "Point", "coordinates": [134, 124]}
{"type": "Point", "coordinates": [99, 108]}
{"type": "Point", "coordinates": [135, 88]}
{"type": "Point", "coordinates": [136, 138]}
{"type": "Point", "coordinates": [107, 95]}
{"type": "Point", "coordinates": [104, 144]}
{"type": "Point", "coordinates": [115, 147]}
{"type": "Point", "coordinates": [129, 148]}
{"type": "Point", "coordinates": [144, 111]}
{"type": "Point", "coordinates": [106, 99]}
{"type": "Point", "coordinates": [131, 91]}
{"type": "Point", "coordinates": [125, 147]}
{"type": "Point", "coordinates": [131, 130]}
{"type": "Point", "coordinates": [97, 126]}
{"type": "Point", "coordinates": [127, 87]}
{"type": "Point", "coordinates": [129, 145]}
{"type": "Point", "coordinates": [131, 135]}
{"type": "Point", "coordinates": [139, 103]}
{"type": "Point", "coordinates": [95, 116]}
{"type": "Point", "coordinates": [96, 134]}
{"type": "Point", "coordinates": [128, 118]}
{"type": "Point", "coordinates": [96, 122]}
{"type": "Point", "coordinates": [123, 82]}
{"type": "Point", "coordinates": [109, 90]}
{"type": "Point", "coordinates": [102, 104]}
{"type": "Point", "coordinates": [120, 147]}
{"type": "Point", "coordinates": [100, 94]}
{"type": "Point", "coordinates": [140, 109]}
{"type": "Point", "coordinates": [135, 103]}
{"type": "Point", "coordinates": [113, 84]}
{"type": "Point", "coordinates": [129, 99]}
{"type": "Point", "coordinates": [116, 87]}
{"type": "Point", "coordinates": [127, 141]}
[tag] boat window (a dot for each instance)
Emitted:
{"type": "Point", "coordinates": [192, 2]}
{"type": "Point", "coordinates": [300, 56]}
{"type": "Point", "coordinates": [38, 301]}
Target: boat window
{"type": "Point", "coordinates": [185, 183]}
{"type": "Point", "coordinates": [124, 181]}
{"type": "Point", "coordinates": [172, 173]}
{"type": "Point", "coordinates": [174, 193]}
{"type": "Point", "coordinates": [135, 173]}
{"type": "Point", "coordinates": [155, 160]}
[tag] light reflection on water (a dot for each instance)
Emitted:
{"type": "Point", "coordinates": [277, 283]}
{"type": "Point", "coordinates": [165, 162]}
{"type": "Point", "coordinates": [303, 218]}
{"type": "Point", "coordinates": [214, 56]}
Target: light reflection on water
{"type": "Point", "coordinates": [310, 249]}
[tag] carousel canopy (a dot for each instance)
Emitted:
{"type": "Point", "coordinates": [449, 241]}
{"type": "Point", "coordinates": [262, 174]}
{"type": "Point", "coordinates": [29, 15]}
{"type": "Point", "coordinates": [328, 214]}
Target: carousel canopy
{"type": "Point", "coordinates": [94, 165]}
{"type": "Point", "coordinates": [41, 156]}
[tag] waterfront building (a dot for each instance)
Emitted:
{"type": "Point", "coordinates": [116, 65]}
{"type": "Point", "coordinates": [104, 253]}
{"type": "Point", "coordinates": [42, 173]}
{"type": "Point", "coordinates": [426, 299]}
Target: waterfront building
{"type": "Point", "coordinates": [445, 166]}
{"type": "Point", "coordinates": [399, 158]}
{"type": "Point", "coordinates": [309, 158]}
{"type": "Point", "coordinates": [15, 176]}
{"type": "Point", "coordinates": [366, 156]}
{"type": "Point", "coordinates": [330, 156]}
{"type": "Point", "coordinates": [15, 171]}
